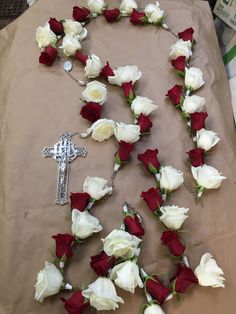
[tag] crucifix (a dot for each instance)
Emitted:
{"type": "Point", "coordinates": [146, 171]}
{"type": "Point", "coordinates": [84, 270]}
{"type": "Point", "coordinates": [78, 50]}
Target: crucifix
{"type": "Point", "coordinates": [64, 152]}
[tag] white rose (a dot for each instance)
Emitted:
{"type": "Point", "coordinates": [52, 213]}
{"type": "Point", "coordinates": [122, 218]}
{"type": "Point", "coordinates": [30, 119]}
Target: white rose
{"type": "Point", "coordinates": [93, 66]}
{"type": "Point", "coordinates": [74, 29]}
{"type": "Point", "coordinates": [102, 294]}
{"type": "Point", "coordinates": [154, 309]}
{"type": "Point", "coordinates": [127, 6]}
{"type": "Point", "coordinates": [126, 276]}
{"type": "Point", "coordinates": [171, 178]}
{"type": "Point", "coordinates": [121, 244]}
{"type": "Point", "coordinates": [84, 224]}
{"type": "Point", "coordinates": [207, 176]}
{"type": "Point", "coordinates": [173, 216]}
{"type": "Point", "coordinates": [125, 74]}
{"type": "Point", "coordinates": [44, 36]}
{"type": "Point", "coordinates": [208, 273]}
{"type": "Point", "coordinates": [96, 187]}
{"type": "Point", "coordinates": [143, 105]}
{"type": "Point", "coordinates": [102, 129]}
{"type": "Point", "coordinates": [96, 6]}
{"type": "Point", "coordinates": [206, 139]}
{"type": "Point", "coordinates": [49, 281]}
{"type": "Point", "coordinates": [70, 45]}
{"type": "Point", "coordinates": [95, 92]}
{"type": "Point", "coordinates": [181, 48]}
{"type": "Point", "coordinates": [129, 133]}
{"type": "Point", "coordinates": [193, 104]}
{"type": "Point", "coordinates": [154, 13]}
{"type": "Point", "coordinates": [193, 78]}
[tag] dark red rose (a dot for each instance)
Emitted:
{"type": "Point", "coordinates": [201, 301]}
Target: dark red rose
{"type": "Point", "coordinates": [156, 289]}
{"type": "Point", "coordinates": [124, 151]}
{"type": "Point", "coordinates": [80, 14]}
{"type": "Point", "coordinates": [56, 26]}
{"type": "Point", "coordinates": [91, 111]}
{"type": "Point", "coordinates": [101, 263]}
{"type": "Point", "coordinates": [171, 239]}
{"type": "Point", "coordinates": [197, 120]}
{"type": "Point", "coordinates": [106, 71]}
{"type": "Point", "coordinates": [153, 198]}
{"type": "Point", "coordinates": [79, 201]}
{"type": "Point", "coordinates": [134, 226]}
{"type": "Point", "coordinates": [184, 278]}
{"type": "Point", "coordinates": [145, 123]}
{"type": "Point", "coordinates": [111, 15]}
{"type": "Point", "coordinates": [138, 17]}
{"type": "Point", "coordinates": [196, 157]}
{"type": "Point", "coordinates": [179, 63]}
{"type": "Point", "coordinates": [128, 89]}
{"type": "Point", "coordinates": [48, 56]}
{"type": "Point", "coordinates": [81, 57]}
{"type": "Point", "coordinates": [175, 94]}
{"type": "Point", "coordinates": [187, 34]}
{"type": "Point", "coordinates": [63, 245]}
{"type": "Point", "coordinates": [150, 161]}
{"type": "Point", "coordinates": [76, 303]}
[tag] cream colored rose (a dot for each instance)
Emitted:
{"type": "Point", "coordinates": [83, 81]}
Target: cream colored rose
{"type": "Point", "coordinates": [171, 178]}
{"type": "Point", "coordinates": [121, 244]}
{"type": "Point", "coordinates": [93, 66]}
{"type": "Point", "coordinates": [173, 216]}
{"type": "Point", "coordinates": [49, 281]}
{"type": "Point", "coordinates": [129, 133]}
{"type": "Point", "coordinates": [44, 36]}
{"type": "Point", "coordinates": [127, 6]}
{"type": "Point", "coordinates": [95, 92]}
{"type": "Point", "coordinates": [193, 78]}
{"type": "Point", "coordinates": [102, 129]}
{"type": "Point", "coordinates": [102, 295]}
{"type": "Point", "coordinates": [70, 45]}
{"type": "Point", "coordinates": [181, 48]}
{"type": "Point", "coordinates": [154, 13]}
{"type": "Point", "coordinates": [125, 74]}
{"type": "Point", "coordinates": [96, 6]}
{"type": "Point", "coordinates": [143, 105]}
{"type": "Point", "coordinates": [206, 139]}
{"type": "Point", "coordinates": [96, 187]}
{"type": "Point", "coordinates": [207, 176]}
{"type": "Point", "coordinates": [154, 309]}
{"type": "Point", "coordinates": [126, 276]}
{"type": "Point", "coordinates": [193, 104]}
{"type": "Point", "coordinates": [74, 29]}
{"type": "Point", "coordinates": [208, 273]}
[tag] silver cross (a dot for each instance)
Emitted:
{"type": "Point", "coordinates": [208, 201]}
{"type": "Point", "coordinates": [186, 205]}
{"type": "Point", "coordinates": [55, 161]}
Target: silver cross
{"type": "Point", "coordinates": [64, 152]}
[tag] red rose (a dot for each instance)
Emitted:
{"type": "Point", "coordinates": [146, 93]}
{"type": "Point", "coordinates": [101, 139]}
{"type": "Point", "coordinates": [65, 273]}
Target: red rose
{"type": "Point", "coordinates": [179, 63]}
{"type": "Point", "coordinates": [184, 278]}
{"type": "Point", "coordinates": [79, 201]}
{"type": "Point", "coordinates": [187, 34]}
{"type": "Point", "coordinates": [111, 15]}
{"type": "Point", "coordinates": [128, 90]}
{"type": "Point", "coordinates": [106, 71]}
{"type": "Point", "coordinates": [138, 17]}
{"type": "Point", "coordinates": [80, 14]}
{"type": "Point", "coordinates": [56, 26]}
{"type": "Point", "coordinates": [81, 57]}
{"type": "Point", "coordinates": [134, 226]}
{"type": "Point", "coordinates": [75, 304]}
{"type": "Point", "coordinates": [171, 239]}
{"type": "Point", "coordinates": [124, 151]}
{"type": "Point", "coordinates": [175, 94]}
{"type": "Point", "coordinates": [91, 111]}
{"type": "Point", "coordinates": [101, 263]}
{"type": "Point", "coordinates": [63, 245]}
{"type": "Point", "coordinates": [196, 157]}
{"type": "Point", "coordinates": [145, 123]}
{"type": "Point", "coordinates": [156, 289]}
{"type": "Point", "coordinates": [197, 120]}
{"type": "Point", "coordinates": [150, 161]}
{"type": "Point", "coordinates": [153, 198]}
{"type": "Point", "coordinates": [48, 56]}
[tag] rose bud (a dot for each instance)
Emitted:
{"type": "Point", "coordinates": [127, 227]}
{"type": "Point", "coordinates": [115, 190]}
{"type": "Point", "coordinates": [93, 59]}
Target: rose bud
{"type": "Point", "coordinates": [197, 120]}
{"type": "Point", "coordinates": [128, 89]}
{"type": "Point", "coordinates": [63, 245]}
{"type": "Point", "coordinates": [133, 225]}
{"type": "Point", "coordinates": [102, 263]}
{"type": "Point", "coordinates": [81, 57]}
{"type": "Point", "coordinates": [111, 15]}
{"type": "Point", "coordinates": [124, 151]}
{"type": "Point", "coordinates": [156, 289]}
{"type": "Point", "coordinates": [91, 111]}
{"type": "Point", "coordinates": [56, 26]}
{"type": "Point", "coordinates": [153, 199]}
{"type": "Point", "coordinates": [196, 157]}
{"type": "Point", "coordinates": [187, 34]}
{"type": "Point", "coordinates": [145, 123]}
{"type": "Point", "coordinates": [179, 64]}
{"type": "Point", "coordinates": [106, 71]}
{"type": "Point", "coordinates": [79, 201]}
{"type": "Point", "coordinates": [175, 94]}
{"type": "Point", "coordinates": [76, 303]}
{"type": "Point", "coordinates": [184, 278]}
{"type": "Point", "coordinates": [138, 17]}
{"type": "Point", "coordinates": [80, 14]}
{"type": "Point", "coordinates": [171, 239]}
{"type": "Point", "coordinates": [150, 161]}
{"type": "Point", "coordinates": [48, 56]}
